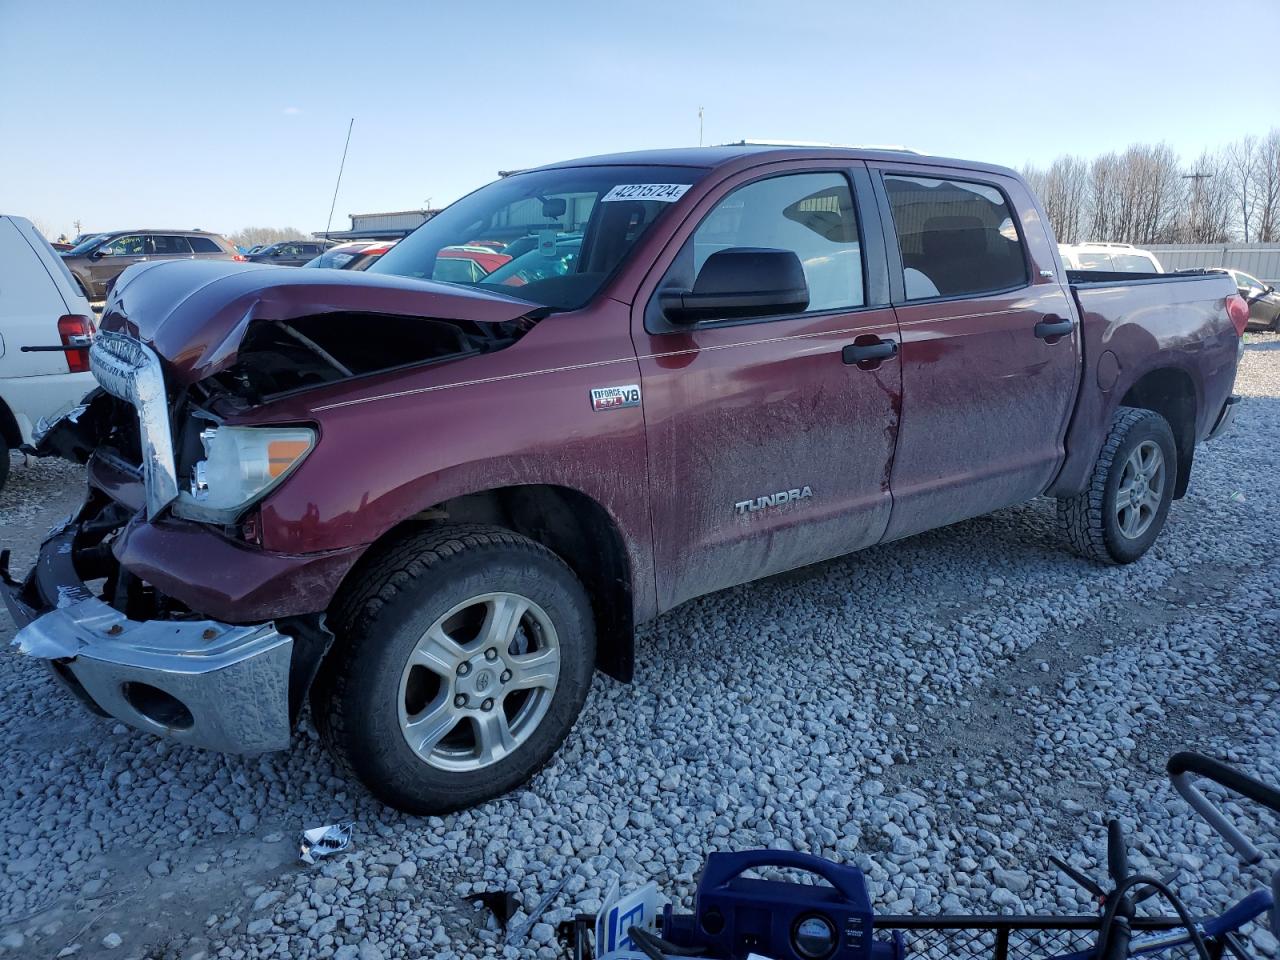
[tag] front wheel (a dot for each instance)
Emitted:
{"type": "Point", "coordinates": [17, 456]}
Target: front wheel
{"type": "Point", "coordinates": [1123, 509]}
{"type": "Point", "coordinates": [463, 659]}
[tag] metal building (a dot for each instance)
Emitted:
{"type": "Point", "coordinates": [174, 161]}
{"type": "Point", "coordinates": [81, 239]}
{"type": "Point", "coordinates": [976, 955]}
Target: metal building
{"type": "Point", "coordinates": [1261, 260]}
{"type": "Point", "coordinates": [381, 226]}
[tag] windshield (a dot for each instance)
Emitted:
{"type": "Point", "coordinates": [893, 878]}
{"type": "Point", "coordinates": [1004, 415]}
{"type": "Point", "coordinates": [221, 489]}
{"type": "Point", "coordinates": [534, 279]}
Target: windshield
{"type": "Point", "coordinates": [84, 246]}
{"type": "Point", "coordinates": [552, 237]}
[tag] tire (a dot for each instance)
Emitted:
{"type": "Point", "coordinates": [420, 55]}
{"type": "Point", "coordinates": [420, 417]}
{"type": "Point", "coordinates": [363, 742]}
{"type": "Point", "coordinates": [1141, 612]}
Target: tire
{"type": "Point", "coordinates": [4, 461]}
{"type": "Point", "coordinates": [1098, 523]}
{"type": "Point", "coordinates": [435, 594]}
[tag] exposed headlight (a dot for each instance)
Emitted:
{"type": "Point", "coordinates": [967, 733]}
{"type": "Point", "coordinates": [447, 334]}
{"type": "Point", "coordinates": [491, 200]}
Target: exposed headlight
{"type": "Point", "coordinates": [241, 465]}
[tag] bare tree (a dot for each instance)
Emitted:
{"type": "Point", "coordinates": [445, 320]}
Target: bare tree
{"type": "Point", "coordinates": [1103, 197]}
{"type": "Point", "coordinates": [1240, 167]}
{"type": "Point", "coordinates": [1062, 189]}
{"type": "Point", "coordinates": [1267, 188]}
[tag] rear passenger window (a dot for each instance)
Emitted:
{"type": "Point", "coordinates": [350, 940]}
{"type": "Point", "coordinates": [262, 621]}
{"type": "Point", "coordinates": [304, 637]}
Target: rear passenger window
{"type": "Point", "coordinates": [1096, 261]}
{"type": "Point", "coordinates": [1132, 263]}
{"type": "Point", "coordinates": [203, 245]}
{"type": "Point", "coordinates": [169, 245]}
{"type": "Point", "coordinates": [811, 214]}
{"type": "Point", "coordinates": [956, 238]}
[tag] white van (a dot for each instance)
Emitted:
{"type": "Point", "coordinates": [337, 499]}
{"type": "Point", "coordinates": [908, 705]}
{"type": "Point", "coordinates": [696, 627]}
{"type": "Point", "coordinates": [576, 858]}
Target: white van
{"type": "Point", "coordinates": [1112, 257]}
{"type": "Point", "coordinates": [45, 329]}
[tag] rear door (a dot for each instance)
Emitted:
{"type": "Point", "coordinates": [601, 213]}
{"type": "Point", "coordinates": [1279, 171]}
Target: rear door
{"type": "Point", "coordinates": [990, 345]}
{"type": "Point", "coordinates": [768, 450]}
{"type": "Point", "coordinates": [164, 246]}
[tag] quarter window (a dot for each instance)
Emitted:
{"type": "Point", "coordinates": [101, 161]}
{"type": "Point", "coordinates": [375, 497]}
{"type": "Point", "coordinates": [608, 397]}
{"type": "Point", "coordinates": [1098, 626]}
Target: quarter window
{"type": "Point", "coordinates": [811, 214]}
{"type": "Point", "coordinates": [203, 245]}
{"type": "Point", "coordinates": [956, 238]}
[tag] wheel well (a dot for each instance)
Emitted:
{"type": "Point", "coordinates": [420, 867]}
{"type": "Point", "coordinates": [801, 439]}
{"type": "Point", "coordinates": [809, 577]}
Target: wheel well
{"type": "Point", "coordinates": [1171, 394]}
{"type": "Point", "coordinates": [575, 528]}
{"type": "Point", "coordinates": [9, 427]}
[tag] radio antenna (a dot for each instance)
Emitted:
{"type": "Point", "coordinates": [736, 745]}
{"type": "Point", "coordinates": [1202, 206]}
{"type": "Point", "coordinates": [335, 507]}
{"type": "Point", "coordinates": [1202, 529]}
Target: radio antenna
{"type": "Point", "coordinates": [333, 203]}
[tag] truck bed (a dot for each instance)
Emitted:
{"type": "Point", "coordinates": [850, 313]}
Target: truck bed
{"type": "Point", "coordinates": [1133, 324]}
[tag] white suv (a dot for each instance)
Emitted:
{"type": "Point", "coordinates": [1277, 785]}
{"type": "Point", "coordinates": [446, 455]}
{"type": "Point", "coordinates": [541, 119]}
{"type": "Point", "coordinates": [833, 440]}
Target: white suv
{"type": "Point", "coordinates": [45, 329]}
{"type": "Point", "coordinates": [1112, 257]}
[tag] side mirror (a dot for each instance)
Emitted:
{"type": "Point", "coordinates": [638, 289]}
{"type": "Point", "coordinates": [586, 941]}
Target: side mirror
{"type": "Point", "coordinates": [98, 254]}
{"type": "Point", "coordinates": [741, 282]}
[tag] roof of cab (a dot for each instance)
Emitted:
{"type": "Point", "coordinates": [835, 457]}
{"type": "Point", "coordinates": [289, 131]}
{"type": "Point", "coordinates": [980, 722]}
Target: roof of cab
{"type": "Point", "coordinates": [728, 153]}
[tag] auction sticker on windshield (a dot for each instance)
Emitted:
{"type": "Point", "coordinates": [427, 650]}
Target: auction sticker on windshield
{"type": "Point", "coordinates": [666, 192]}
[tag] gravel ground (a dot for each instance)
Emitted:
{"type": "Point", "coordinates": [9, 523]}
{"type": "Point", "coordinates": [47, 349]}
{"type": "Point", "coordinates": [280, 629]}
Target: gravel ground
{"type": "Point", "coordinates": [946, 711]}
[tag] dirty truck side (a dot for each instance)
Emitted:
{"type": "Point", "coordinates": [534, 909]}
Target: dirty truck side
{"type": "Point", "coordinates": [433, 502]}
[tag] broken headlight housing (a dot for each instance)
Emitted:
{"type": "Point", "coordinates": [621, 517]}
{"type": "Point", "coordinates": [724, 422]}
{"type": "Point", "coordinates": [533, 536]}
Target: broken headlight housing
{"type": "Point", "coordinates": [240, 466]}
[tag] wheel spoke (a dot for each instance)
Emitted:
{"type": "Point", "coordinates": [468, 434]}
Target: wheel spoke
{"type": "Point", "coordinates": [539, 669]}
{"type": "Point", "coordinates": [430, 727]}
{"type": "Point", "coordinates": [438, 652]}
{"type": "Point", "coordinates": [1128, 516]}
{"type": "Point", "coordinates": [1152, 460]}
{"type": "Point", "coordinates": [503, 620]}
{"type": "Point", "coordinates": [493, 735]}
{"type": "Point", "coordinates": [1151, 500]}
{"type": "Point", "coordinates": [1125, 491]}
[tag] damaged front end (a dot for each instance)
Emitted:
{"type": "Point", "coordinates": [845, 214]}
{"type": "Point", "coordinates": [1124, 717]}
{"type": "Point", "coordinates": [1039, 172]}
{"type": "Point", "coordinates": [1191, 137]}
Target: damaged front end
{"type": "Point", "coordinates": [156, 603]}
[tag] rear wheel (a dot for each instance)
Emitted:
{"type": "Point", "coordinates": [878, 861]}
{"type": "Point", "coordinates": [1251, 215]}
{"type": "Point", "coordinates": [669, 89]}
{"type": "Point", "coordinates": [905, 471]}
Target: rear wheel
{"type": "Point", "coordinates": [1123, 510]}
{"type": "Point", "coordinates": [463, 659]}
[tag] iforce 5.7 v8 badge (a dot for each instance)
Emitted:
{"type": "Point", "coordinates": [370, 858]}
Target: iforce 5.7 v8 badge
{"type": "Point", "coordinates": [615, 398]}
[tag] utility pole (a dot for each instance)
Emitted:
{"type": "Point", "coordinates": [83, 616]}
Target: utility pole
{"type": "Point", "coordinates": [1195, 202]}
{"type": "Point", "coordinates": [699, 126]}
{"type": "Point", "coordinates": [77, 225]}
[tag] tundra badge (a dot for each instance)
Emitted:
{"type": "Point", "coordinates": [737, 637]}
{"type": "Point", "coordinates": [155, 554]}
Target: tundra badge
{"type": "Point", "coordinates": [615, 398]}
{"type": "Point", "coordinates": [744, 507]}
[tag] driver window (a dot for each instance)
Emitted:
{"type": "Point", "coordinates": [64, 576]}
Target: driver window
{"type": "Point", "coordinates": [811, 214]}
{"type": "Point", "coordinates": [124, 247]}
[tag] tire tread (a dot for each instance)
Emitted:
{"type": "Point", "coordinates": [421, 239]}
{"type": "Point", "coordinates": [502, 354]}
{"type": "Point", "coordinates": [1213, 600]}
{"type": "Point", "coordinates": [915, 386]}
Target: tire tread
{"type": "Point", "coordinates": [1081, 518]}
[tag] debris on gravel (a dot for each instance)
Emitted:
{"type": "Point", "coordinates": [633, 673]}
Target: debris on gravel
{"type": "Point", "coordinates": [946, 711]}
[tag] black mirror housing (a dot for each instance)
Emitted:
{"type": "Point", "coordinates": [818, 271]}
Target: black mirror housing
{"type": "Point", "coordinates": [741, 282]}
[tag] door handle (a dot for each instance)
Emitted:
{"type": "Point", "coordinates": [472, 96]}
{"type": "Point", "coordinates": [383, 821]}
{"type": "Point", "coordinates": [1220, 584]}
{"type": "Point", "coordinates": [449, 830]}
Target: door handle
{"type": "Point", "coordinates": [870, 353]}
{"type": "Point", "coordinates": [1052, 329]}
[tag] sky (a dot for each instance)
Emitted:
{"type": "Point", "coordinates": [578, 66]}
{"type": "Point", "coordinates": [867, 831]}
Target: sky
{"type": "Point", "coordinates": [231, 114]}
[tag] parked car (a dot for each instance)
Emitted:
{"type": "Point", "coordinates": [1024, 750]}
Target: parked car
{"type": "Point", "coordinates": [450, 503]}
{"type": "Point", "coordinates": [356, 255]}
{"type": "Point", "coordinates": [45, 329]}
{"type": "Point", "coordinates": [1262, 297]}
{"type": "Point", "coordinates": [1109, 257]}
{"type": "Point", "coordinates": [97, 261]}
{"type": "Point", "coordinates": [468, 262]}
{"type": "Point", "coordinates": [289, 253]}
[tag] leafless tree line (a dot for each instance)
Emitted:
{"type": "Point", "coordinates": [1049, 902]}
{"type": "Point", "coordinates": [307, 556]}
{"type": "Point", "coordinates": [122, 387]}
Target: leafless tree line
{"type": "Point", "coordinates": [1146, 194]}
{"type": "Point", "coordinates": [250, 236]}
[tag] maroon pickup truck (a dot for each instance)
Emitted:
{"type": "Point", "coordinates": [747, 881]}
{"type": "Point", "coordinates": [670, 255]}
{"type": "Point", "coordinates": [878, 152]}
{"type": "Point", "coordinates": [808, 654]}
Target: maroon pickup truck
{"type": "Point", "coordinates": [434, 509]}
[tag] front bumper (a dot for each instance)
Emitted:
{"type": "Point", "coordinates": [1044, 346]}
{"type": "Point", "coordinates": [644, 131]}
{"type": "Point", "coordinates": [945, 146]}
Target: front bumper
{"type": "Point", "coordinates": [200, 682]}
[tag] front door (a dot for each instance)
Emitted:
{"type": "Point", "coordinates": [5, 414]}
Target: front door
{"type": "Point", "coordinates": [990, 362]}
{"type": "Point", "coordinates": [117, 255]}
{"type": "Point", "coordinates": [768, 450]}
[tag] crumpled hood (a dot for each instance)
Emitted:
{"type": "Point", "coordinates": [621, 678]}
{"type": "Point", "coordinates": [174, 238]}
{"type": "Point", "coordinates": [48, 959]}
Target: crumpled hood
{"type": "Point", "coordinates": [194, 314]}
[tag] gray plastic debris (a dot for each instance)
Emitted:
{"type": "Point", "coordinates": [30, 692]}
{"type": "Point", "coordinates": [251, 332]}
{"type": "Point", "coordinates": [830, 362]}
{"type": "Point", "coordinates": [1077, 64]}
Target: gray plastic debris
{"type": "Point", "coordinates": [522, 931]}
{"type": "Point", "coordinates": [324, 841]}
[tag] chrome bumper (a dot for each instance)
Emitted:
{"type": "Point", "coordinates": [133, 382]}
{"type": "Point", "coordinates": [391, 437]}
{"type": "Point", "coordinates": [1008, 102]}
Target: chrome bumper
{"type": "Point", "coordinates": [199, 682]}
